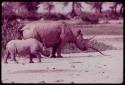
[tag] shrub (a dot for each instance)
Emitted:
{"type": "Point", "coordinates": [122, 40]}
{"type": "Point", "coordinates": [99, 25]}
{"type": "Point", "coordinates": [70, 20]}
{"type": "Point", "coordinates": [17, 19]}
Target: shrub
{"type": "Point", "coordinates": [10, 30]}
{"type": "Point", "coordinates": [88, 17]}
{"type": "Point", "coordinates": [71, 48]}
{"type": "Point", "coordinates": [54, 16]}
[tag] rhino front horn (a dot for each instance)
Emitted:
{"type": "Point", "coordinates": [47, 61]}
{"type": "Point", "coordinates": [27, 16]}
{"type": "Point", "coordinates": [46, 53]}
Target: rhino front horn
{"type": "Point", "coordinates": [97, 50]}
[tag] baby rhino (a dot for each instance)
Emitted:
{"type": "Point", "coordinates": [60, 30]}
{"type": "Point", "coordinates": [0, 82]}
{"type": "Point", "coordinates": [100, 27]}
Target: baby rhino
{"type": "Point", "coordinates": [31, 47]}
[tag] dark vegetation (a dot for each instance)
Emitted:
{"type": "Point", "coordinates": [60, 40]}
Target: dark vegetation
{"type": "Point", "coordinates": [71, 48]}
{"type": "Point", "coordinates": [12, 12]}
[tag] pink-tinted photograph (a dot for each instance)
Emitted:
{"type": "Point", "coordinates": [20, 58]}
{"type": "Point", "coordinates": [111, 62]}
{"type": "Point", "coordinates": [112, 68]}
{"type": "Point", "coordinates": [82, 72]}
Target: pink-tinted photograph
{"type": "Point", "coordinates": [62, 42]}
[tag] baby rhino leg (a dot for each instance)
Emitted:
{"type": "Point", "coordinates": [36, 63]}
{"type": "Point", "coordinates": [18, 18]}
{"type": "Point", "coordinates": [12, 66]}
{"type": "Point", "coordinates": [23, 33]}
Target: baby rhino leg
{"type": "Point", "coordinates": [13, 56]}
{"type": "Point", "coordinates": [32, 54]}
{"type": "Point", "coordinates": [35, 55]}
{"type": "Point", "coordinates": [31, 58]}
{"type": "Point", "coordinates": [6, 56]}
{"type": "Point", "coordinates": [39, 57]}
{"type": "Point", "coordinates": [45, 52]}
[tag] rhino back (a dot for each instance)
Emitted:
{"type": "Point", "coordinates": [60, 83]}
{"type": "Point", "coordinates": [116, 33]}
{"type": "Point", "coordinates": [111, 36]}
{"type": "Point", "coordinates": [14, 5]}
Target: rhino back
{"type": "Point", "coordinates": [49, 33]}
{"type": "Point", "coordinates": [20, 47]}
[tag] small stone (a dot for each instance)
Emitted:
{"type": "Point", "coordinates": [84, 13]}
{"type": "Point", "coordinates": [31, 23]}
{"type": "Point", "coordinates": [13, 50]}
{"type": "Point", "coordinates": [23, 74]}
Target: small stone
{"type": "Point", "coordinates": [105, 65]}
{"type": "Point", "coordinates": [72, 82]}
{"type": "Point", "coordinates": [77, 74]}
{"type": "Point", "coordinates": [99, 66]}
{"type": "Point", "coordinates": [23, 63]}
{"type": "Point", "coordinates": [54, 68]}
{"type": "Point", "coordinates": [42, 82]}
{"type": "Point", "coordinates": [12, 82]}
{"type": "Point", "coordinates": [47, 68]}
{"type": "Point", "coordinates": [103, 72]}
{"type": "Point", "coordinates": [86, 71]}
{"type": "Point", "coordinates": [58, 81]}
{"type": "Point", "coordinates": [73, 66]}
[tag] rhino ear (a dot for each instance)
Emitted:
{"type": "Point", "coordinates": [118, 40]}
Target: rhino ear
{"type": "Point", "coordinates": [79, 32]}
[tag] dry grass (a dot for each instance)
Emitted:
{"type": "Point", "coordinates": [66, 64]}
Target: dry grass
{"type": "Point", "coordinates": [101, 29]}
{"type": "Point", "coordinates": [71, 48]}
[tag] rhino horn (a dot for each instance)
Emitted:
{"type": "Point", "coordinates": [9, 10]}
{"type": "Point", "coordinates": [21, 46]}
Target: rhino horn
{"type": "Point", "coordinates": [97, 50]}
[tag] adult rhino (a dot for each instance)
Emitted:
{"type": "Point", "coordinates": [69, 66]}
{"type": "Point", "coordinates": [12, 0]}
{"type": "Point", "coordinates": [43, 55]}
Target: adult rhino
{"type": "Point", "coordinates": [55, 34]}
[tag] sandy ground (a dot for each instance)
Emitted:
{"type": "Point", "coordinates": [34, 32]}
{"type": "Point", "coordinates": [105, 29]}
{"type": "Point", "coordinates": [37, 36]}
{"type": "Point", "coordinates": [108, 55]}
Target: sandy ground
{"type": "Point", "coordinates": [73, 68]}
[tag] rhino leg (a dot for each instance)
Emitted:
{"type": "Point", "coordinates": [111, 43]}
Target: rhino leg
{"type": "Point", "coordinates": [39, 57]}
{"type": "Point", "coordinates": [62, 44]}
{"type": "Point", "coordinates": [6, 56]}
{"type": "Point", "coordinates": [14, 57]}
{"type": "Point", "coordinates": [54, 49]}
{"type": "Point", "coordinates": [15, 60]}
{"type": "Point", "coordinates": [31, 58]}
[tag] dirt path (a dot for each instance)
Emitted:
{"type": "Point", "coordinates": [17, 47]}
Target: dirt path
{"type": "Point", "coordinates": [73, 68]}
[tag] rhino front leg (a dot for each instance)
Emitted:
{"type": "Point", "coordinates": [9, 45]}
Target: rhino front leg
{"type": "Point", "coordinates": [59, 53]}
{"type": "Point", "coordinates": [31, 58]}
{"type": "Point", "coordinates": [54, 49]}
{"type": "Point", "coordinates": [59, 49]}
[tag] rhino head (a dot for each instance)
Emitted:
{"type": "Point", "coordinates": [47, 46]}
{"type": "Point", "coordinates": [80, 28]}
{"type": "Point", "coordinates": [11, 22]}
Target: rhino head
{"type": "Point", "coordinates": [83, 44]}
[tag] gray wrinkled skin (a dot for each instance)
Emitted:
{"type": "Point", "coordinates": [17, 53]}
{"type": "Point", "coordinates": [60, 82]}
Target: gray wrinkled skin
{"type": "Point", "coordinates": [55, 34]}
{"type": "Point", "coordinates": [29, 46]}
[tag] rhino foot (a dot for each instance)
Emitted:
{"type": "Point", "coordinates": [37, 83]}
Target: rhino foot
{"type": "Point", "coordinates": [39, 61]}
{"type": "Point", "coordinates": [59, 56]}
{"type": "Point", "coordinates": [31, 62]}
{"type": "Point", "coordinates": [53, 56]}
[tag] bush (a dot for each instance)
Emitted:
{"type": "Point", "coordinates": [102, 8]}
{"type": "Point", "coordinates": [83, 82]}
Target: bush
{"type": "Point", "coordinates": [88, 17]}
{"type": "Point", "coordinates": [10, 31]}
{"type": "Point", "coordinates": [54, 16]}
{"type": "Point", "coordinates": [71, 48]}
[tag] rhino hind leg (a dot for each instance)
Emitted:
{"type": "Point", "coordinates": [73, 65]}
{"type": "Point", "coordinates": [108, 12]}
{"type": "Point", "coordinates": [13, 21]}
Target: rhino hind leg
{"type": "Point", "coordinates": [57, 49]}
{"type": "Point", "coordinates": [14, 57]}
{"type": "Point", "coordinates": [39, 57]}
{"type": "Point", "coordinates": [6, 56]}
{"type": "Point", "coordinates": [31, 58]}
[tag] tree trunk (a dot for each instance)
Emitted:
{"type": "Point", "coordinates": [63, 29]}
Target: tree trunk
{"type": "Point", "coordinates": [100, 10]}
{"type": "Point", "coordinates": [121, 10]}
{"type": "Point", "coordinates": [115, 7]}
{"type": "Point", "coordinates": [73, 13]}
